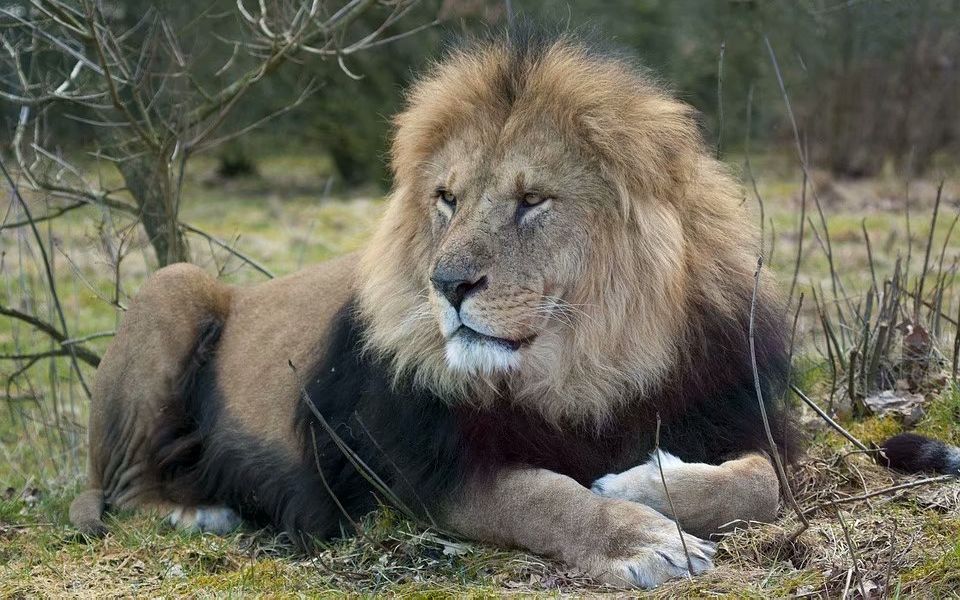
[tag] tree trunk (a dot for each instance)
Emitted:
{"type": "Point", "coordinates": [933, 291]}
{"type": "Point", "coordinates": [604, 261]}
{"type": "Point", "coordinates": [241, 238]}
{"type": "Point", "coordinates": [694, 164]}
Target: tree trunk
{"type": "Point", "coordinates": [149, 182]}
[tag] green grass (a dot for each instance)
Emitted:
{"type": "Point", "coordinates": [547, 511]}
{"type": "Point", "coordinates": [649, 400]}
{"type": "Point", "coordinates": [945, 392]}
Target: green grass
{"type": "Point", "coordinates": [283, 220]}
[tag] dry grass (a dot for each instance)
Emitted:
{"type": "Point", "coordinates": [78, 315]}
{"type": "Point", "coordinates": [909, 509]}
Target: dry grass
{"type": "Point", "coordinates": [903, 543]}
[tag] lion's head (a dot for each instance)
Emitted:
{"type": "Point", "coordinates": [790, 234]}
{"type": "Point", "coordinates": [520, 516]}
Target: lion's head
{"type": "Point", "coordinates": [555, 214]}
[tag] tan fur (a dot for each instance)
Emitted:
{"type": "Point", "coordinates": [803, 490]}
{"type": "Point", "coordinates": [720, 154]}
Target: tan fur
{"type": "Point", "coordinates": [705, 499]}
{"type": "Point", "coordinates": [258, 341]}
{"type": "Point", "coordinates": [138, 374]}
{"type": "Point", "coordinates": [139, 371]}
{"type": "Point", "coordinates": [615, 541]}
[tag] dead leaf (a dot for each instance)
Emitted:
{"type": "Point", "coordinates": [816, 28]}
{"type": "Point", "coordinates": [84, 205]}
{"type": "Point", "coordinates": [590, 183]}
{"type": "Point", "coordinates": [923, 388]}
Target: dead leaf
{"type": "Point", "coordinates": [903, 404]}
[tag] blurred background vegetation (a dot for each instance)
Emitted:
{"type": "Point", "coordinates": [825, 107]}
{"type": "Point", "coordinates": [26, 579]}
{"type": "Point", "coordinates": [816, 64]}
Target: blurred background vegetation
{"type": "Point", "coordinates": [875, 82]}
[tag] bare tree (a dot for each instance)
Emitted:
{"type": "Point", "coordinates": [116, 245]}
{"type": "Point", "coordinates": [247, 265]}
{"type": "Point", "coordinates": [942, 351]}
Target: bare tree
{"type": "Point", "coordinates": [145, 96]}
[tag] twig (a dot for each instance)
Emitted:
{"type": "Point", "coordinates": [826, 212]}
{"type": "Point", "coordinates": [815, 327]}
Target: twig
{"type": "Point", "coordinates": [823, 415]}
{"type": "Point", "coordinates": [333, 496]}
{"type": "Point", "coordinates": [880, 492]}
{"type": "Point", "coordinates": [834, 355]}
{"type": "Point", "coordinates": [36, 355]}
{"type": "Point", "coordinates": [852, 379]}
{"type": "Point", "coordinates": [946, 241]}
{"type": "Point", "coordinates": [88, 337]}
{"type": "Point", "coordinates": [81, 352]}
{"type": "Point", "coordinates": [853, 554]}
{"type": "Point", "coordinates": [802, 222]}
{"type": "Point", "coordinates": [931, 306]}
{"type": "Point", "coordinates": [873, 270]}
{"type": "Point", "coordinates": [723, 47]}
{"type": "Point", "coordinates": [864, 353]}
{"type": "Point", "coordinates": [956, 351]}
{"type": "Point", "coordinates": [749, 171]}
{"type": "Point", "coordinates": [835, 282]}
{"type": "Point", "coordinates": [793, 338]}
{"type": "Point", "coordinates": [777, 461]}
{"type": "Point", "coordinates": [47, 217]}
{"type": "Point", "coordinates": [893, 547]}
{"type": "Point", "coordinates": [94, 18]}
{"type": "Point", "coordinates": [926, 255]}
{"type": "Point", "coordinates": [396, 467]}
{"type": "Point", "coordinates": [48, 270]}
{"type": "Point", "coordinates": [358, 463]}
{"type": "Point", "coordinates": [228, 248]}
{"type": "Point", "coordinates": [203, 145]}
{"type": "Point", "coordinates": [673, 510]}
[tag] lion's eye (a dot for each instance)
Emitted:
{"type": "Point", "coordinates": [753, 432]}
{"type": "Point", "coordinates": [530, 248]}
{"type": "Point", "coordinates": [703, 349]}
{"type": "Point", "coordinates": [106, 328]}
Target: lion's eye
{"type": "Point", "coordinates": [532, 199]}
{"type": "Point", "coordinates": [447, 197]}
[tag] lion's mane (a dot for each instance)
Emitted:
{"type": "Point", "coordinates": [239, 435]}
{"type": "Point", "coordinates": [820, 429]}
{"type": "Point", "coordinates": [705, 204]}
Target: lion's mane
{"type": "Point", "coordinates": [680, 254]}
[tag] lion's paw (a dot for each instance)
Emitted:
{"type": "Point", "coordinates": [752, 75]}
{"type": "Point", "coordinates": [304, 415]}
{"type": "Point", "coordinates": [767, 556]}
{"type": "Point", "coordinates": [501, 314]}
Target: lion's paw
{"type": "Point", "coordinates": [632, 483]}
{"type": "Point", "coordinates": [658, 561]}
{"type": "Point", "coordinates": [219, 520]}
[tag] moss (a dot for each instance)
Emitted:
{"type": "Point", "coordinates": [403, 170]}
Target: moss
{"type": "Point", "coordinates": [937, 576]}
{"type": "Point", "coordinates": [942, 416]}
{"type": "Point", "coordinates": [263, 576]}
{"type": "Point", "coordinates": [809, 372]}
{"type": "Point", "coordinates": [791, 583]}
{"type": "Point", "coordinates": [874, 430]}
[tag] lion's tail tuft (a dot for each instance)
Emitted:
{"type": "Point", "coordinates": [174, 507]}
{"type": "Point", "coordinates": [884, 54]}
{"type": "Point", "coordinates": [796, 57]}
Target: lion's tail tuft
{"type": "Point", "coordinates": [916, 453]}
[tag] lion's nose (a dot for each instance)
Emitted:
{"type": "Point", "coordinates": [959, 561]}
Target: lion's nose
{"type": "Point", "coordinates": [455, 288]}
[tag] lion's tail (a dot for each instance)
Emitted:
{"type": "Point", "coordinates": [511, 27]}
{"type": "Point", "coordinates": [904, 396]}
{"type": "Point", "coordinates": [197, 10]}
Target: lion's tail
{"type": "Point", "coordinates": [86, 512]}
{"type": "Point", "coordinates": [916, 453]}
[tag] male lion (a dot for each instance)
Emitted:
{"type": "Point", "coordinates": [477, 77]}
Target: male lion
{"type": "Point", "coordinates": [562, 279]}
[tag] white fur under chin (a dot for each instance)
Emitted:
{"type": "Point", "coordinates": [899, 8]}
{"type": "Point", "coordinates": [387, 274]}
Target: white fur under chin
{"type": "Point", "coordinates": [475, 357]}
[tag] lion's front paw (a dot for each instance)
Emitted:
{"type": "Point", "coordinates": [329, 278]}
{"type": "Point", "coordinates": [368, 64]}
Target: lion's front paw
{"type": "Point", "coordinates": [650, 566]}
{"type": "Point", "coordinates": [635, 484]}
{"type": "Point", "coordinates": [649, 552]}
{"type": "Point", "coordinates": [219, 520]}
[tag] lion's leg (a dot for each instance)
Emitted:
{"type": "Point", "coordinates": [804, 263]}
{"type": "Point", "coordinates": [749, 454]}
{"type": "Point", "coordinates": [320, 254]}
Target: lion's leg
{"type": "Point", "coordinates": [173, 318]}
{"type": "Point", "coordinates": [705, 497]}
{"type": "Point", "coordinates": [619, 542]}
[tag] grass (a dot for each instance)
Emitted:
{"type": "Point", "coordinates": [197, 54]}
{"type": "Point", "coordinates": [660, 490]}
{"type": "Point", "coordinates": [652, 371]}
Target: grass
{"type": "Point", "coordinates": [905, 543]}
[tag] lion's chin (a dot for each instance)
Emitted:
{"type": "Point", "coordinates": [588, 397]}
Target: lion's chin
{"type": "Point", "coordinates": [473, 353]}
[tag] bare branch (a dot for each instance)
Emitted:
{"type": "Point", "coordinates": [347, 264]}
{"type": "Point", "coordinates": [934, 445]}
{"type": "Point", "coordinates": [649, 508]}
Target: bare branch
{"type": "Point", "coordinates": [823, 415]}
{"type": "Point", "coordinates": [47, 217]}
{"type": "Point", "coordinates": [307, 92]}
{"type": "Point", "coordinates": [228, 248]}
{"type": "Point", "coordinates": [93, 18]}
{"type": "Point", "coordinates": [54, 40]}
{"type": "Point", "coordinates": [880, 492]}
{"type": "Point", "coordinates": [76, 349]}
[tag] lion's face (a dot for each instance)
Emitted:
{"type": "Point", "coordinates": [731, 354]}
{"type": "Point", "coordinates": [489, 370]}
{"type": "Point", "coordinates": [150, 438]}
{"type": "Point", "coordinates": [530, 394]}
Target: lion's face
{"type": "Point", "coordinates": [511, 223]}
{"type": "Point", "coordinates": [553, 215]}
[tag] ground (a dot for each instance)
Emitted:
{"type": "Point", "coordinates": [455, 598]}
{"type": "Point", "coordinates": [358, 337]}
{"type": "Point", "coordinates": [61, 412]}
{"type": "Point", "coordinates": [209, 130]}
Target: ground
{"type": "Point", "coordinates": [894, 543]}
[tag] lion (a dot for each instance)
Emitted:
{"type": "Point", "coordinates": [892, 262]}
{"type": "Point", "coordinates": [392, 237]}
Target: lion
{"type": "Point", "coordinates": [553, 319]}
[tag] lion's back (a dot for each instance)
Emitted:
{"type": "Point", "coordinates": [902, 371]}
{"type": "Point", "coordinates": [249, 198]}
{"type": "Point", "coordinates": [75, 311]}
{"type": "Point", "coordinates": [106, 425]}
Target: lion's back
{"type": "Point", "coordinates": [271, 326]}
